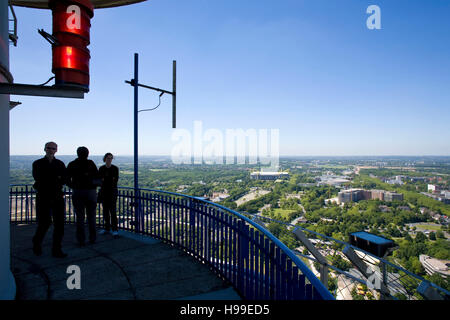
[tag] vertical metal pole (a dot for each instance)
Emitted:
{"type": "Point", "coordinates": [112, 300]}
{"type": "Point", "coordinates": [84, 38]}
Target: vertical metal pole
{"type": "Point", "coordinates": [136, 168]}
{"type": "Point", "coordinates": [174, 95]}
{"type": "Point", "coordinates": [7, 283]}
{"type": "Point", "coordinates": [383, 267]}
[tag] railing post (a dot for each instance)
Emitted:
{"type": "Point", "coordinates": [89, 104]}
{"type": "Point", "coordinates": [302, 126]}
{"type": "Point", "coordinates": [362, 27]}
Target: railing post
{"type": "Point", "coordinates": [68, 193]}
{"type": "Point", "coordinates": [172, 218]}
{"type": "Point", "coordinates": [255, 262]}
{"type": "Point", "coordinates": [144, 211]}
{"type": "Point", "coordinates": [137, 211]}
{"type": "Point", "coordinates": [191, 224]}
{"type": "Point", "coordinates": [240, 260]}
{"type": "Point", "coordinates": [10, 204]}
{"type": "Point", "coordinates": [203, 234]}
{"type": "Point", "coordinates": [243, 231]}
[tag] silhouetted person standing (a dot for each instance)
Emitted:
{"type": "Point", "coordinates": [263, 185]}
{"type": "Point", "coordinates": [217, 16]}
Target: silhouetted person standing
{"type": "Point", "coordinates": [109, 175]}
{"type": "Point", "coordinates": [49, 174]}
{"type": "Point", "coordinates": [82, 178]}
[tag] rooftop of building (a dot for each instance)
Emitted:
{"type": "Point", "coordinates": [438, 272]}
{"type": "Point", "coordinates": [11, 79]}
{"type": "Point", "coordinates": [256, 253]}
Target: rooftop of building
{"type": "Point", "coordinates": [437, 265]}
{"type": "Point", "coordinates": [371, 237]}
{"type": "Point", "coordinates": [352, 190]}
{"type": "Point", "coordinates": [130, 267]}
{"type": "Point", "coordinates": [268, 173]}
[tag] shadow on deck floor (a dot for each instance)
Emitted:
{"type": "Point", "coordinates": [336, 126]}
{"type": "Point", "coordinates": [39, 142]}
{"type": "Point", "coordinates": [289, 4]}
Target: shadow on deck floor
{"type": "Point", "coordinates": [131, 267]}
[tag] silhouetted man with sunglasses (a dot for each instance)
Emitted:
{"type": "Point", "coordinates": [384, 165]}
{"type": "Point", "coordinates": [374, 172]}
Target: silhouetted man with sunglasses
{"type": "Point", "coordinates": [49, 174]}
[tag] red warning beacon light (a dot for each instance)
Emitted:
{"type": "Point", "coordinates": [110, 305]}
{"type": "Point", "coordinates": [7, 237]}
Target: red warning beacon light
{"type": "Point", "coordinates": [71, 26]}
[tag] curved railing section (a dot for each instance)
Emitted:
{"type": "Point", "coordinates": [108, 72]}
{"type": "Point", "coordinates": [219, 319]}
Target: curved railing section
{"type": "Point", "coordinates": [250, 258]}
{"type": "Point", "coordinates": [394, 282]}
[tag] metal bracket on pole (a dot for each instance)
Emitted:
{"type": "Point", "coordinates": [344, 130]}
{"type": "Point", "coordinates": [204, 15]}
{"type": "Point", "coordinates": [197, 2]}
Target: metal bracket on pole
{"type": "Point", "coordinates": [13, 104]}
{"type": "Point", "coordinates": [134, 82]}
{"type": "Point", "coordinates": [13, 33]}
{"type": "Point", "coordinates": [43, 91]}
{"type": "Point", "coordinates": [320, 258]}
{"type": "Point", "coordinates": [47, 36]}
{"type": "Point", "coordinates": [140, 221]}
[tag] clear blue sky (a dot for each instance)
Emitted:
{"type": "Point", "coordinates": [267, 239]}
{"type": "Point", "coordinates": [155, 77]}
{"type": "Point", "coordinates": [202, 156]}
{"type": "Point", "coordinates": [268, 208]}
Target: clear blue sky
{"type": "Point", "coordinates": [311, 69]}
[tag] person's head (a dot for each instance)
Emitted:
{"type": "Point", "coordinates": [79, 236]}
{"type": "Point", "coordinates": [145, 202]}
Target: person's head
{"type": "Point", "coordinates": [50, 149]}
{"type": "Point", "coordinates": [108, 158]}
{"type": "Point", "coordinates": [82, 153]}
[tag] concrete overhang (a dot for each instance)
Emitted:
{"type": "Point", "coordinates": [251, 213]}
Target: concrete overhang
{"type": "Point", "coordinates": [98, 4]}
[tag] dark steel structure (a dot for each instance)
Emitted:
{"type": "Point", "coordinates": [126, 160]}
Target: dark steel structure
{"type": "Point", "coordinates": [372, 243]}
{"type": "Point", "coordinates": [135, 83]}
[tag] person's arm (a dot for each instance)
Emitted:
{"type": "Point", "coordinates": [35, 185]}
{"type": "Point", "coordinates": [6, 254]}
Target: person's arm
{"type": "Point", "coordinates": [101, 174]}
{"type": "Point", "coordinates": [96, 181]}
{"type": "Point", "coordinates": [117, 175]}
{"type": "Point", "coordinates": [69, 175]}
{"type": "Point", "coordinates": [64, 179]}
{"type": "Point", "coordinates": [36, 175]}
{"type": "Point", "coordinates": [115, 181]}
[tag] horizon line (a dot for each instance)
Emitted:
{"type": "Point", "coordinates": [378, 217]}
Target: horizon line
{"type": "Point", "coordinates": [169, 156]}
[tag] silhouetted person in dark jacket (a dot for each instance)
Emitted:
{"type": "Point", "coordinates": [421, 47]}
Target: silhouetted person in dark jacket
{"type": "Point", "coordinates": [83, 179]}
{"type": "Point", "coordinates": [109, 175]}
{"type": "Point", "coordinates": [49, 174]}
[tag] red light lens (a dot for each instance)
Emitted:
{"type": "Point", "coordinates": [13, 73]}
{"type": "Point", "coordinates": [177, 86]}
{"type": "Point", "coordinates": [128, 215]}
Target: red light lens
{"type": "Point", "coordinates": [71, 58]}
{"type": "Point", "coordinates": [71, 26]}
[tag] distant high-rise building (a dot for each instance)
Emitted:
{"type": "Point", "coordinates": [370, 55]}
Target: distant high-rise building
{"type": "Point", "coordinates": [356, 195]}
{"type": "Point", "coordinates": [393, 196]}
{"type": "Point", "coordinates": [377, 195]}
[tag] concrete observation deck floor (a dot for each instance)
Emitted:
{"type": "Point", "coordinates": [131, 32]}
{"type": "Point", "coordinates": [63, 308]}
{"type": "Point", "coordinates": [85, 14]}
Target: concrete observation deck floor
{"type": "Point", "coordinates": [130, 267]}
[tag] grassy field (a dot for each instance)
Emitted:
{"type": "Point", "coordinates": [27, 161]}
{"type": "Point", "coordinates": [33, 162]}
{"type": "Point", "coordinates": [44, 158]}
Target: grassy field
{"type": "Point", "coordinates": [283, 212]}
{"type": "Point", "coordinates": [428, 227]}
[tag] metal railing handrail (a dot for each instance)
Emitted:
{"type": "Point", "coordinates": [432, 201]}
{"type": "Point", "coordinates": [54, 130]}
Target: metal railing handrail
{"type": "Point", "coordinates": [305, 270]}
{"type": "Point", "coordinates": [418, 277]}
{"type": "Point", "coordinates": [307, 273]}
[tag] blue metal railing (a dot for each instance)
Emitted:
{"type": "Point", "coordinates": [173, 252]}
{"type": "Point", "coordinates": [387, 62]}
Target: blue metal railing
{"type": "Point", "coordinates": [257, 264]}
{"type": "Point", "coordinates": [409, 281]}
